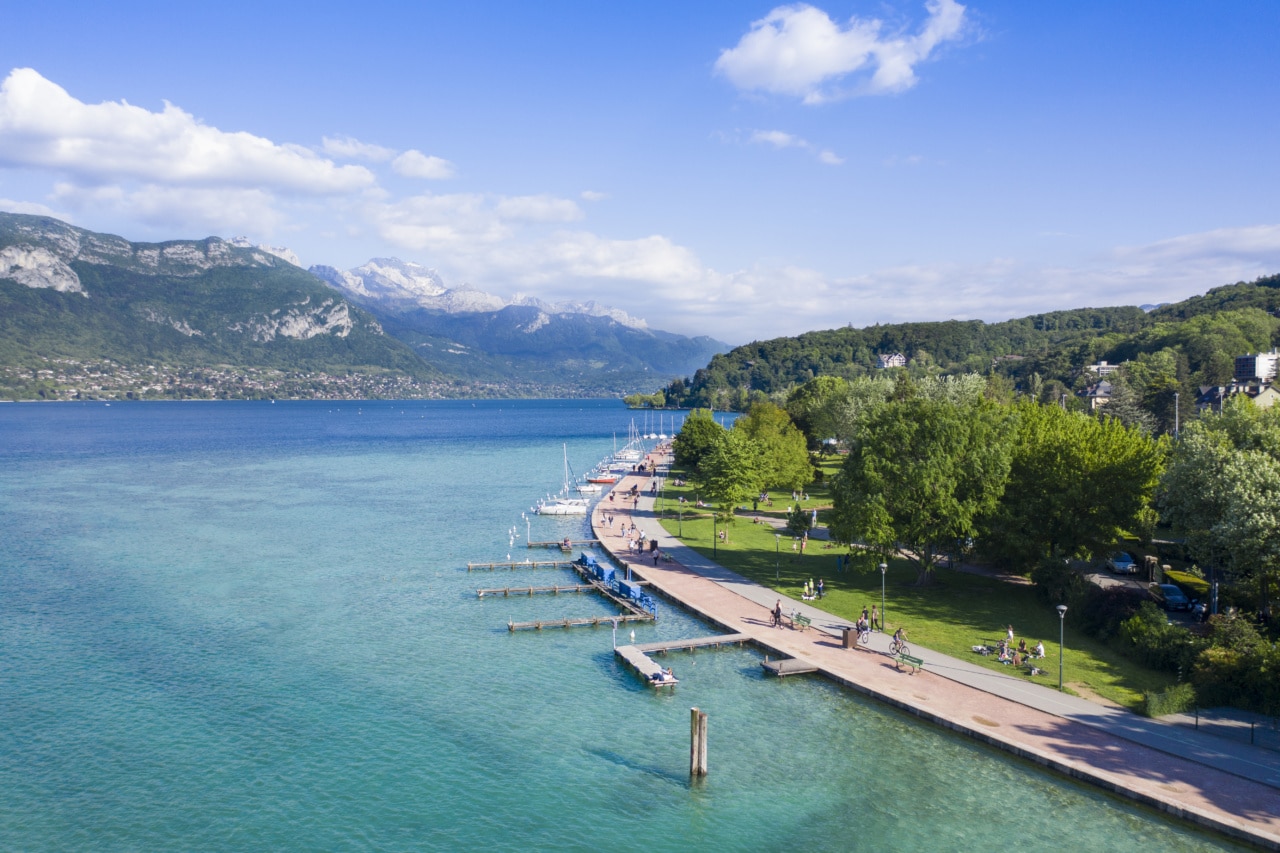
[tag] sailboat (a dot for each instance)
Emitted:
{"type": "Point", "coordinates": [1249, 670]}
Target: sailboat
{"type": "Point", "coordinates": [563, 504]}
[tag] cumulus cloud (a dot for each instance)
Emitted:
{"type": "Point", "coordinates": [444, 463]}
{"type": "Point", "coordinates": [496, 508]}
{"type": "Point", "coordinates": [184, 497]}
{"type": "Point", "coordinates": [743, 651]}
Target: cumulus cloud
{"type": "Point", "coordinates": [347, 148]}
{"type": "Point", "coordinates": [782, 139]}
{"type": "Point", "coordinates": [42, 126]}
{"type": "Point", "coordinates": [799, 51]}
{"type": "Point", "coordinates": [415, 164]}
{"type": "Point", "coordinates": [538, 208]}
{"type": "Point", "coordinates": [29, 207]}
{"type": "Point", "coordinates": [206, 209]}
{"type": "Point", "coordinates": [593, 195]}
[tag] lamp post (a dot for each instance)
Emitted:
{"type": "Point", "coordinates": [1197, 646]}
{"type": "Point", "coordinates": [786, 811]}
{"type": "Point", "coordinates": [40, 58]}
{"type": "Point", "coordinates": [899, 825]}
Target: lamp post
{"type": "Point", "coordinates": [715, 535]}
{"type": "Point", "coordinates": [884, 567]}
{"type": "Point", "coordinates": [681, 523]}
{"type": "Point", "coordinates": [1175, 414]}
{"type": "Point", "coordinates": [1062, 616]}
{"type": "Point", "coordinates": [777, 557]}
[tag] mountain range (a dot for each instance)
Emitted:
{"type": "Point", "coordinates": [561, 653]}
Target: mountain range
{"type": "Point", "coordinates": [74, 303]}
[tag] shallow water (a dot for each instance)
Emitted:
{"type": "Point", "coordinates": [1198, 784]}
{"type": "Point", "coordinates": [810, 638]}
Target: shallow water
{"type": "Point", "coordinates": [248, 626]}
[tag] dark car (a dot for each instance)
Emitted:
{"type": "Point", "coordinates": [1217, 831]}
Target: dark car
{"type": "Point", "coordinates": [1170, 597]}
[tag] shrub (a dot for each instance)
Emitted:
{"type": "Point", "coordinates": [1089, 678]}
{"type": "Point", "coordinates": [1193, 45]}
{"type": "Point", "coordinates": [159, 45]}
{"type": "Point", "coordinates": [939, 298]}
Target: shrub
{"type": "Point", "coordinates": [1157, 643]}
{"type": "Point", "coordinates": [1175, 700]}
{"type": "Point", "coordinates": [1104, 610]}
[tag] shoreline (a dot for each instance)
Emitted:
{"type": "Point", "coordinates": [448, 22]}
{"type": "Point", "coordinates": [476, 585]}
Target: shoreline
{"type": "Point", "coordinates": [1226, 802]}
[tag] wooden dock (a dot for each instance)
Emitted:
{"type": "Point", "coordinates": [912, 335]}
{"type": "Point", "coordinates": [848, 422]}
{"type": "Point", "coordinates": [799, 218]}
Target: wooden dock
{"type": "Point", "coordinates": [559, 543]}
{"type": "Point", "coordinates": [533, 590]}
{"type": "Point", "coordinates": [513, 566]}
{"type": "Point", "coordinates": [788, 666]}
{"type": "Point", "coordinates": [593, 621]}
{"type": "Point", "coordinates": [664, 646]}
{"type": "Point", "coordinates": [652, 674]}
{"type": "Point", "coordinates": [637, 657]}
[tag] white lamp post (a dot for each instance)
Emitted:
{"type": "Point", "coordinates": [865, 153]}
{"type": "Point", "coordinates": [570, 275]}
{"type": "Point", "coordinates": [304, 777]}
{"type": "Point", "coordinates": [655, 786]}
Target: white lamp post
{"type": "Point", "coordinates": [884, 567]}
{"type": "Point", "coordinates": [777, 557]}
{"type": "Point", "coordinates": [1062, 617]}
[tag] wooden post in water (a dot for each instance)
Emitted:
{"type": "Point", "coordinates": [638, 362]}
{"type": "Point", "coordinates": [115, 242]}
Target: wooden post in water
{"type": "Point", "coordinates": [697, 743]}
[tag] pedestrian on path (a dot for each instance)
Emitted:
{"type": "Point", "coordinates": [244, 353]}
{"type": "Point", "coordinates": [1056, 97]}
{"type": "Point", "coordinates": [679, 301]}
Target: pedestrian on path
{"type": "Point", "coordinates": [777, 614]}
{"type": "Point", "coordinates": [875, 618]}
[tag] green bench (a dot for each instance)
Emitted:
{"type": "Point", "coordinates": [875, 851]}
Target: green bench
{"type": "Point", "coordinates": [915, 663]}
{"type": "Point", "coordinates": [799, 620]}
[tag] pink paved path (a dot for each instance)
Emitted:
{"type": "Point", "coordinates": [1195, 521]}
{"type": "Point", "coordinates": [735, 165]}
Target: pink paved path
{"type": "Point", "coordinates": [1226, 802]}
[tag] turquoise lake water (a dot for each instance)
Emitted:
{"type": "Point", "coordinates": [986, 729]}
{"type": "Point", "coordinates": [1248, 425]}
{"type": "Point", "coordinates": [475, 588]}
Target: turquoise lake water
{"type": "Point", "coordinates": [248, 626]}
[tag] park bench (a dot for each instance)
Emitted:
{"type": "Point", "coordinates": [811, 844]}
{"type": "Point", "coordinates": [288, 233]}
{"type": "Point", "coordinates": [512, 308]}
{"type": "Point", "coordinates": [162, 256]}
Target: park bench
{"type": "Point", "coordinates": [915, 663]}
{"type": "Point", "coordinates": [799, 620]}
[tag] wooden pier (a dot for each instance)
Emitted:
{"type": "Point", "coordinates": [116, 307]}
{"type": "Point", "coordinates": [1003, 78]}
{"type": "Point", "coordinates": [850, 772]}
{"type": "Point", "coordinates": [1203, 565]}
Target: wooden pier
{"type": "Point", "coordinates": [559, 543]}
{"type": "Point", "coordinates": [637, 657]}
{"type": "Point", "coordinates": [513, 566]}
{"type": "Point", "coordinates": [593, 621]}
{"type": "Point", "coordinates": [788, 666]}
{"type": "Point", "coordinates": [664, 646]}
{"type": "Point", "coordinates": [533, 590]}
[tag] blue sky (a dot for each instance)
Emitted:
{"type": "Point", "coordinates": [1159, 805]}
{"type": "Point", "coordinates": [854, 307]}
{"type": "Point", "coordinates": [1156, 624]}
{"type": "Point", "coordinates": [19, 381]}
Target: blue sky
{"type": "Point", "coordinates": [744, 170]}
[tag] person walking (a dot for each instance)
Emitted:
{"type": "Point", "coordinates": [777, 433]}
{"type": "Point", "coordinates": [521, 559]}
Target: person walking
{"type": "Point", "coordinates": [875, 618]}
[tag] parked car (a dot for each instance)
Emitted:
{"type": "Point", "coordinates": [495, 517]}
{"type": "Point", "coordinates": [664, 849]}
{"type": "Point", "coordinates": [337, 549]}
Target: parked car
{"type": "Point", "coordinates": [1122, 563]}
{"type": "Point", "coordinates": [1170, 596]}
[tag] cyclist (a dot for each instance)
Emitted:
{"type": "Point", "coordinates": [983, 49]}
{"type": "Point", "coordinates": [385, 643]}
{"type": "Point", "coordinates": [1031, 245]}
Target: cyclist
{"type": "Point", "coordinates": [899, 644]}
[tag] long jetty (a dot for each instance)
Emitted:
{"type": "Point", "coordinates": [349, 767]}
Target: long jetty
{"type": "Point", "coordinates": [533, 590]}
{"type": "Point", "coordinates": [514, 566]}
{"type": "Point", "coordinates": [559, 543]}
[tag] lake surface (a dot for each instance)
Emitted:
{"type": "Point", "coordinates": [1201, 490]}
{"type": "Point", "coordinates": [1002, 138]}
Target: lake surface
{"type": "Point", "coordinates": [248, 626]}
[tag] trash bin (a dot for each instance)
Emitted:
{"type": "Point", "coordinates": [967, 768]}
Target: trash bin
{"type": "Point", "coordinates": [850, 637]}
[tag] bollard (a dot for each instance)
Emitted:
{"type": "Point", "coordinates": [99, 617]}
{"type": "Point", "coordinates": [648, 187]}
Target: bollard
{"type": "Point", "coordinates": [697, 743]}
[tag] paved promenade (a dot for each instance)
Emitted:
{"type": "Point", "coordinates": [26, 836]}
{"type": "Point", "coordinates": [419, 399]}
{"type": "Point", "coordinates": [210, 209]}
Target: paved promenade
{"type": "Point", "coordinates": [1226, 785]}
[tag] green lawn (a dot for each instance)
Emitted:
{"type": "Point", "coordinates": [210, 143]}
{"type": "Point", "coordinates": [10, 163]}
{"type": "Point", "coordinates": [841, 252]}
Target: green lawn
{"type": "Point", "coordinates": [953, 614]}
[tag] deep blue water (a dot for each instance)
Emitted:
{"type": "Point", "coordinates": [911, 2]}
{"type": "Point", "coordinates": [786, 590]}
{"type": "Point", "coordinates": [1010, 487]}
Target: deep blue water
{"type": "Point", "coordinates": [245, 626]}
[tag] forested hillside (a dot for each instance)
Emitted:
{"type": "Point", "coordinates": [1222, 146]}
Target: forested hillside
{"type": "Point", "coordinates": [1176, 347]}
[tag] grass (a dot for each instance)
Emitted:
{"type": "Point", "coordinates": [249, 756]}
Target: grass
{"type": "Point", "coordinates": [956, 612]}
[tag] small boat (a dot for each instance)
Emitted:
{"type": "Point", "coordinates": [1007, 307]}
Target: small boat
{"type": "Point", "coordinates": [606, 477]}
{"type": "Point", "coordinates": [562, 504]}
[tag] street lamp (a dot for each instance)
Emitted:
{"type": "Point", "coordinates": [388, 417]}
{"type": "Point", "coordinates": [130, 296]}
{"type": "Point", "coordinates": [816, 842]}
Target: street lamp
{"type": "Point", "coordinates": [1175, 414]}
{"type": "Point", "coordinates": [681, 524]}
{"type": "Point", "coordinates": [777, 557]}
{"type": "Point", "coordinates": [884, 567]}
{"type": "Point", "coordinates": [715, 535]}
{"type": "Point", "coordinates": [1062, 616]}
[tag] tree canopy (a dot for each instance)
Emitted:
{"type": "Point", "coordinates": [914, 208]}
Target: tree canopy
{"type": "Point", "coordinates": [919, 475]}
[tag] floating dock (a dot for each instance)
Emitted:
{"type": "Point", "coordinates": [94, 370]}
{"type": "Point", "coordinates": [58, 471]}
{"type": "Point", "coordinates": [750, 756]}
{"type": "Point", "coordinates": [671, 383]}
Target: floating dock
{"type": "Point", "coordinates": [593, 621]}
{"type": "Point", "coordinates": [664, 646]}
{"type": "Point", "coordinates": [513, 566]}
{"type": "Point", "coordinates": [637, 657]}
{"type": "Point", "coordinates": [788, 666]}
{"type": "Point", "coordinates": [559, 543]}
{"type": "Point", "coordinates": [533, 590]}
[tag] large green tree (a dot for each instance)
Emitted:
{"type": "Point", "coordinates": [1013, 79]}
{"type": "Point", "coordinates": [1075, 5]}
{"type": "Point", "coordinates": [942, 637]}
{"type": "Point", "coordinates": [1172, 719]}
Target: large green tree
{"type": "Point", "coordinates": [815, 407]}
{"type": "Point", "coordinates": [783, 460]}
{"type": "Point", "coordinates": [729, 474]}
{"type": "Point", "coordinates": [1076, 484]}
{"type": "Point", "coordinates": [1222, 488]}
{"type": "Point", "coordinates": [920, 474]}
{"type": "Point", "coordinates": [698, 434]}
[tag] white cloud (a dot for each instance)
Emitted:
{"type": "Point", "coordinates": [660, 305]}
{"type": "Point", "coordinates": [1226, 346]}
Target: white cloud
{"type": "Point", "coordinates": [29, 207]}
{"type": "Point", "coordinates": [592, 195]}
{"type": "Point", "coordinates": [782, 139]}
{"type": "Point", "coordinates": [799, 51]}
{"type": "Point", "coordinates": [42, 126]}
{"type": "Point", "coordinates": [211, 210]}
{"type": "Point", "coordinates": [538, 208]}
{"type": "Point", "coordinates": [347, 148]}
{"type": "Point", "coordinates": [415, 164]}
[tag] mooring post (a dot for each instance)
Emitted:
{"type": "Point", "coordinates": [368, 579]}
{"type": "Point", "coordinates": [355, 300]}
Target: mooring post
{"type": "Point", "coordinates": [697, 743]}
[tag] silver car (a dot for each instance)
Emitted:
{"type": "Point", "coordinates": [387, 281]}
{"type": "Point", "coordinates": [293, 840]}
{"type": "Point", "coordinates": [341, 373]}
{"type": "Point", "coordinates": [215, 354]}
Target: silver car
{"type": "Point", "coordinates": [1122, 563]}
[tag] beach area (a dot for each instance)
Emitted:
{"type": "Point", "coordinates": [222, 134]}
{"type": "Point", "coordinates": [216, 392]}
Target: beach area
{"type": "Point", "coordinates": [1225, 786]}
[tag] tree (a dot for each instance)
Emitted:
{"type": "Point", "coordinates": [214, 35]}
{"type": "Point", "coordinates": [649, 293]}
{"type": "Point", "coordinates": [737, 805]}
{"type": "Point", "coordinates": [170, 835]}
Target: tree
{"type": "Point", "coordinates": [729, 474]}
{"type": "Point", "coordinates": [784, 459]}
{"type": "Point", "coordinates": [919, 475]}
{"type": "Point", "coordinates": [697, 436]}
{"type": "Point", "coordinates": [1222, 488]}
{"type": "Point", "coordinates": [1076, 484]}
{"type": "Point", "coordinates": [814, 407]}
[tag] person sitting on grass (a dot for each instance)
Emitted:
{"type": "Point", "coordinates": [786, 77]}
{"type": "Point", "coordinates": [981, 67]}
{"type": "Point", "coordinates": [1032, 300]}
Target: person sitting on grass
{"type": "Point", "coordinates": [1040, 649]}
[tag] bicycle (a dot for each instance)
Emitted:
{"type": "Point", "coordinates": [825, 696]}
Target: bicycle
{"type": "Point", "coordinates": [899, 647]}
{"type": "Point", "coordinates": [864, 636]}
